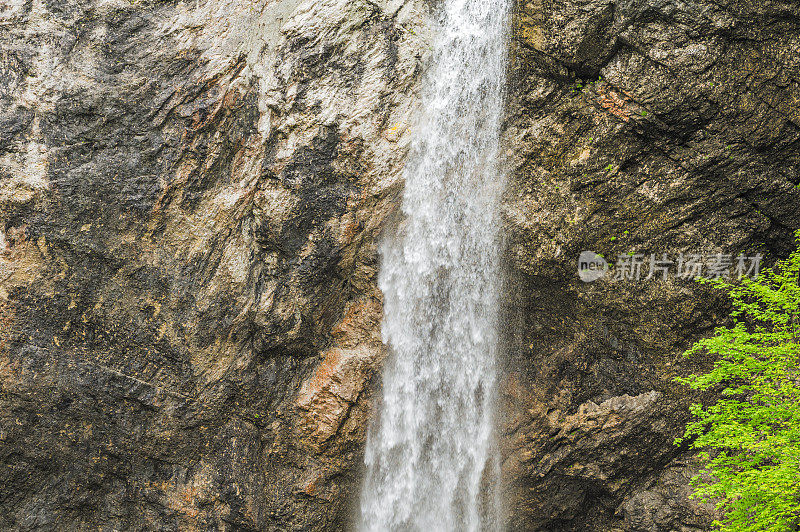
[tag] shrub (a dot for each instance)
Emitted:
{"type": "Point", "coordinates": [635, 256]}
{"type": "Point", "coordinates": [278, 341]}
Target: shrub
{"type": "Point", "coordinates": [749, 440]}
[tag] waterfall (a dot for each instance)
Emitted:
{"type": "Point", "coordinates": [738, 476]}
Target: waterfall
{"type": "Point", "coordinates": [430, 456]}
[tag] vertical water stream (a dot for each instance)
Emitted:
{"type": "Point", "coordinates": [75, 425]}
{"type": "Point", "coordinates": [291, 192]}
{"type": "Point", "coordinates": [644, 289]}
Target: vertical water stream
{"type": "Point", "coordinates": [430, 454]}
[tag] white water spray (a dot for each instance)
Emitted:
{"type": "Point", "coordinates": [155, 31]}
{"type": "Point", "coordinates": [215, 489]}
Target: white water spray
{"type": "Point", "coordinates": [430, 463]}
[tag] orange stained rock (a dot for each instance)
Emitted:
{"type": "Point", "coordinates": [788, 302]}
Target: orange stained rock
{"type": "Point", "coordinates": [615, 104]}
{"type": "Point", "coordinates": [321, 379]}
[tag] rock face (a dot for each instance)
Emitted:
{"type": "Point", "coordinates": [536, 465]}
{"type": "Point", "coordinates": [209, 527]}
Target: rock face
{"type": "Point", "coordinates": [634, 126]}
{"type": "Point", "coordinates": [191, 192]}
{"type": "Point", "coordinates": [190, 197]}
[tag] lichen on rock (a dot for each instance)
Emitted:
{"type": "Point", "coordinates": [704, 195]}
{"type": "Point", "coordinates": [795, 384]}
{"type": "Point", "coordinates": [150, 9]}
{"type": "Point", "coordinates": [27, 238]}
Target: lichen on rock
{"type": "Point", "coordinates": [633, 127]}
{"type": "Point", "coordinates": [191, 194]}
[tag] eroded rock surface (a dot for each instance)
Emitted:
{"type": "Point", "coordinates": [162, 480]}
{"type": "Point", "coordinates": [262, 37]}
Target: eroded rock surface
{"type": "Point", "coordinates": [190, 194]}
{"type": "Point", "coordinates": [647, 127]}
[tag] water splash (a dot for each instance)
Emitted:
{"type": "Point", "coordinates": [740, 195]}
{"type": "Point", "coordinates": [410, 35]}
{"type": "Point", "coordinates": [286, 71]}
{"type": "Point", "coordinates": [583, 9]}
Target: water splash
{"type": "Point", "coordinates": [430, 461]}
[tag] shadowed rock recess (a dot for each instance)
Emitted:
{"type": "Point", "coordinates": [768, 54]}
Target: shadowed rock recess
{"type": "Point", "coordinates": [191, 194]}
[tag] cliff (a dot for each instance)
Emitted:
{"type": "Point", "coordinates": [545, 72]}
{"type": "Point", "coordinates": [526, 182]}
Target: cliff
{"type": "Point", "coordinates": [191, 194]}
{"type": "Point", "coordinates": [635, 127]}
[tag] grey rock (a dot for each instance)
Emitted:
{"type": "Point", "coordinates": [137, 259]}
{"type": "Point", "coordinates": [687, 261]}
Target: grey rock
{"type": "Point", "coordinates": [189, 194]}
{"type": "Point", "coordinates": [634, 126]}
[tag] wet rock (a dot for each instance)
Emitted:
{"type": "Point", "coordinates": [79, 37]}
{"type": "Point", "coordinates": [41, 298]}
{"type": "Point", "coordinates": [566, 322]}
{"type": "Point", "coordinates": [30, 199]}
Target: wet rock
{"type": "Point", "coordinates": [190, 195]}
{"type": "Point", "coordinates": [643, 127]}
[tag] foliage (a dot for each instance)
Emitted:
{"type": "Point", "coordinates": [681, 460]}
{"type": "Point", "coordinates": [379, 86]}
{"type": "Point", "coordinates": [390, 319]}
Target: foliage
{"type": "Point", "coordinates": [750, 439]}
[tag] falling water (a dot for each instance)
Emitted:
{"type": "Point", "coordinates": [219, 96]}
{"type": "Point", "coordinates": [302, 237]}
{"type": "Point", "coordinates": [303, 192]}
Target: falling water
{"type": "Point", "coordinates": [430, 460]}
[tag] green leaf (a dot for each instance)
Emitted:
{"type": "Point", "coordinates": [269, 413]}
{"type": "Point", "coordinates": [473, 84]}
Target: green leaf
{"type": "Point", "coordinates": [749, 440]}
